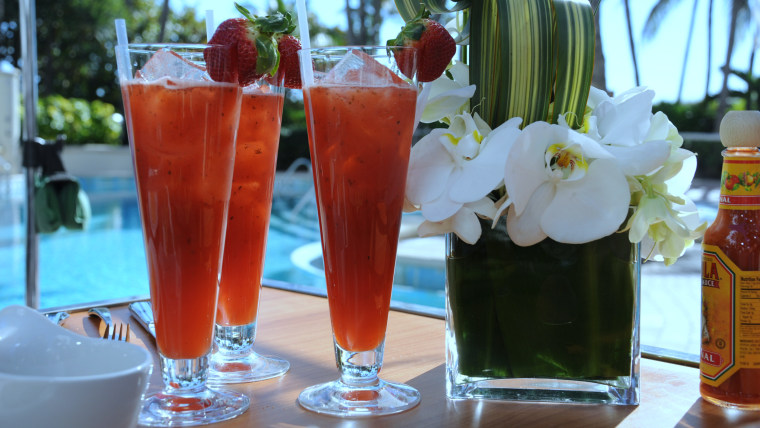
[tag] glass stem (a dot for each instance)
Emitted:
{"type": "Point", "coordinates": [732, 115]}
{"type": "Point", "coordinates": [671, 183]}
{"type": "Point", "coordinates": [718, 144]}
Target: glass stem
{"type": "Point", "coordinates": [184, 375]}
{"type": "Point", "coordinates": [360, 368]}
{"type": "Point", "coordinates": [234, 342]}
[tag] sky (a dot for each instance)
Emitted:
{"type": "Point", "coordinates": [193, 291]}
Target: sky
{"type": "Point", "coordinates": [660, 59]}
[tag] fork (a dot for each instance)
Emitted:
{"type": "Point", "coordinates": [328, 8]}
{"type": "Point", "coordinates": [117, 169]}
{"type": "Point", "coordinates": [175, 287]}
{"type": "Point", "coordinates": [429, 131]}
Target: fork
{"type": "Point", "coordinates": [123, 335]}
{"type": "Point", "coordinates": [110, 330]}
{"type": "Point", "coordinates": [105, 317]}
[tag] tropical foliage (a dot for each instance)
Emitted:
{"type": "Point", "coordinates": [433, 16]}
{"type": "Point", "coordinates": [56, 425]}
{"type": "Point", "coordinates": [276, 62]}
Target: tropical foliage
{"type": "Point", "coordinates": [739, 20]}
{"type": "Point", "coordinates": [75, 41]}
{"type": "Point", "coordinates": [75, 55]}
{"type": "Point", "coordinates": [80, 120]}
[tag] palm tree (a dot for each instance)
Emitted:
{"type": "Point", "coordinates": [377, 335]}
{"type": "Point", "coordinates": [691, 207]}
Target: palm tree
{"type": "Point", "coordinates": [739, 21]}
{"type": "Point", "coordinates": [709, 46]}
{"type": "Point", "coordinates": [364, 22]}
{"type": "Point", "coordinates": [162, 20]}
{"type": "Point", "coordinates": [686, 51]}
{"type": "Point", "coordinates": [630, 40]}
{"type": "Point", "coordinates": [657, 14]}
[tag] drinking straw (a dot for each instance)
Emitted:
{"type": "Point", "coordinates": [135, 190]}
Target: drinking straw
{"type": "Point", "coordinates": [209, 24]}
{"type": "Point", "coordinates": [307, 74]}
{"type": "Point", "coordinates": [122, 53]}
{"type": "Point", "coordinates": [121, 31]}
{"type": "Point", "coordinates": [422, 99]}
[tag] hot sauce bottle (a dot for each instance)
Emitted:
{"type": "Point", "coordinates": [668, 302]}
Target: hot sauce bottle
{"type": "Point", "coordinates": [730, 355]}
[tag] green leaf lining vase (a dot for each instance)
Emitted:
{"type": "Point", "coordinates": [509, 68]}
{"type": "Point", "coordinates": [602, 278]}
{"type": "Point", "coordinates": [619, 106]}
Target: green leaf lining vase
{"type": "Point", "coordinates": [548, 322]}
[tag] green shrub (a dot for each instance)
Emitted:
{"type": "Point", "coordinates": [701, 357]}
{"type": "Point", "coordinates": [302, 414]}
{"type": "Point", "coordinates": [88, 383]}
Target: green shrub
{"type": "Point", "coordinates": [82, 121]}
{"type": "Point", "coordinates": [697, 117]}
{"type": "Point", "coordinates": [691, 117]}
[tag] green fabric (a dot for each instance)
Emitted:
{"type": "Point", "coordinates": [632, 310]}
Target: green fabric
{"type": "Point", "coordinates": [59, 201]}
{"type": "Point", "coordinates": [46, 208]}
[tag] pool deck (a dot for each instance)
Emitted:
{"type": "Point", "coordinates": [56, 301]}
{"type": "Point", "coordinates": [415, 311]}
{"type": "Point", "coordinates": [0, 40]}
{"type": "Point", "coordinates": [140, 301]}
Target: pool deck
{"type": "Point", "coordinates": [671, 295]}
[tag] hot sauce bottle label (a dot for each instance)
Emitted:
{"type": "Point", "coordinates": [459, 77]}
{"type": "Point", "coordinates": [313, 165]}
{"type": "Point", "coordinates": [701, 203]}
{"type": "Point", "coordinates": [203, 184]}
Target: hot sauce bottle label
{"type": "Point", "coordinates": [739, 183]}
{"type": "Point", "coordinates": [730, 317]}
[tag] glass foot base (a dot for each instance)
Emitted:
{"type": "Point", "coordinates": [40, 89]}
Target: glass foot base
{"type": "Point", "coordinates": [250, 368]}
{"type": "Point", "coordinates": [200, 407]}
{"type": "Point", "coordinates": [622, 391]}
{"type": "Point", "coordinates": [339, 399]}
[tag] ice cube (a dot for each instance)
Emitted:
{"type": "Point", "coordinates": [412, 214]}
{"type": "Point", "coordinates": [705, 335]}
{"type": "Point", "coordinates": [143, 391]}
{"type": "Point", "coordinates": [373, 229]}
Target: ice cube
{"type": "Point", "coordinates": [358, 68]}
{"type": "Point", "coordinates": [165, 63]}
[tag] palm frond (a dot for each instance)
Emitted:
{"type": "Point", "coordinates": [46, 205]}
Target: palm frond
{"type": "Point", "coordinates": [656, 16]}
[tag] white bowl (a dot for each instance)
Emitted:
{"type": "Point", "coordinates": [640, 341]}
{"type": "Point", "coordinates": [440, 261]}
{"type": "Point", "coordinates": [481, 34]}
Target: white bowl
{"type": "Point", "coordinates": [50, 376]}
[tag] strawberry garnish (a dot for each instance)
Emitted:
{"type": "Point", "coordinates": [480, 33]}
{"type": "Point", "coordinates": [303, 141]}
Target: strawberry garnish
{"type": "Point", "coordinates": [254, 42]}
{"type": "Point", "coordinates": [288, 47]}
{"type": "Point", "coordinates": [434, 45]}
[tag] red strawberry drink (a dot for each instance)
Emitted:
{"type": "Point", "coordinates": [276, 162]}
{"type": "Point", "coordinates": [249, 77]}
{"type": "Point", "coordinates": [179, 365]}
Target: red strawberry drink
{"type": "Point", "coordinates": [245, 244]}
{"type": "Point", "coordinates": [250, 205]}
{"type": "Point", "coordinates": [182, 127]}
{"type": "Point", "coordinates": [360, 117]}
{"type": "Point", "coordinates": [360, 175]}
{"type": "Point", "coordinates": [265, 60]}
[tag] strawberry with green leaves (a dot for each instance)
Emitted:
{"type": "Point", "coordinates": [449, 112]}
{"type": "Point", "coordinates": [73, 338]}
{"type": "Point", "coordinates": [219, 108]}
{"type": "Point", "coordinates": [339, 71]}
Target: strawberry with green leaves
{"type": "Point", "coordinates": [261, 46]}
{"type": "Point", "coordinates": [434, 45]}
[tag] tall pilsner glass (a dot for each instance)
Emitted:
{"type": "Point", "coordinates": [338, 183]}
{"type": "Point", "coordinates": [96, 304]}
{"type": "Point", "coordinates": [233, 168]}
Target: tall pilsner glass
{"type": "Point", "coordinates": [360, 114]}
{"type": "Point", "coordinates": [245, 245]}
{"type": "Point", "coordinates": [182, 128]}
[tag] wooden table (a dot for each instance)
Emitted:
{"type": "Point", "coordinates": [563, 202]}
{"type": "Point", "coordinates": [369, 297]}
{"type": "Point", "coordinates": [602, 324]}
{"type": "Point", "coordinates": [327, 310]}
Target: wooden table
{"type": "Point", "coordinates": [297, 327]}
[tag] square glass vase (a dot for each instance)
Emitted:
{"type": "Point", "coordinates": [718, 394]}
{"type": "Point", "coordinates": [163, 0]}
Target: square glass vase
{"type": "Point", "coordinates": [551, 322]}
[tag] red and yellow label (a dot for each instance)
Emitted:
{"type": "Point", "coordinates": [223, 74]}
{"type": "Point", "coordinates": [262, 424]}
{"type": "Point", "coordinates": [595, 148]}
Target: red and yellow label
{"type": "Point", "coordinates": [739, 184]}
{"type": "Point", "coordinates": [730, 317]}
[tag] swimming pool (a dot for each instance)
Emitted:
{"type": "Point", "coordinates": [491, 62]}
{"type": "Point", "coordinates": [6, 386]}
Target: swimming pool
{"type": "Point", "coordinates": [107, 261]}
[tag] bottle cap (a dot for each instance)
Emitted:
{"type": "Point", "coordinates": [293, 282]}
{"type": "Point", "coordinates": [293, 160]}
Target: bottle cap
{"type": "Point", "coordinates": [740, 128]}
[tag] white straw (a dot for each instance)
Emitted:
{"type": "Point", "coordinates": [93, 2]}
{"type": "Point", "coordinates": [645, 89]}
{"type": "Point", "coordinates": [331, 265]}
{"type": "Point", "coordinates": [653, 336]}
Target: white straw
{"type": "Point", "coordinates": [121, 32]}
{"type": "Point", "coordinates": [307, 74]}
{"type": "Point", "coordinates": [209, 25]}
{"type": "Point", "coordinates": [122, 52]}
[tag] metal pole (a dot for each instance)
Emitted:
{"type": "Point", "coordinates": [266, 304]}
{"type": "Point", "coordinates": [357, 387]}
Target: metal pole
{"type": "Point", "coordinates": [28, 21]}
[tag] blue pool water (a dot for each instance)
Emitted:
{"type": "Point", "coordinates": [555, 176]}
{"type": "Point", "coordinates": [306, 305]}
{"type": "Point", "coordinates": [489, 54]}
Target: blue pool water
{"type": "Point", "coordinates": [107, 261]}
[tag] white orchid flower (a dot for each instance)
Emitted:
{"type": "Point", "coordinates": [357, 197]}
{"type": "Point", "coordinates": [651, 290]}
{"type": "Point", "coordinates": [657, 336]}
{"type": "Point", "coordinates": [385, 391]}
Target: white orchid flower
{"type": "Point", "coordinates": [562, 185]}
{"type": "Point", "coordinates": [665, 221]}
{"type": "Point", "coordinates": [661, 128]}
{"type": "Point", "coordinates": [456, 27]}
{"type": "Point", "coordinates": [671, 230]}
{"type": "Point", "coordinates": [647, 147]}
{"type": "Point", "coordinates": [623, 124]}
{"type": "Point", "coordinates": [447, 97]}
{"type": "Point", "coordinates": [464, 222]}
{"type": "Point", "coordinates": [452, 169]}
{"type": "Point", "coordinates": [620, 121]}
